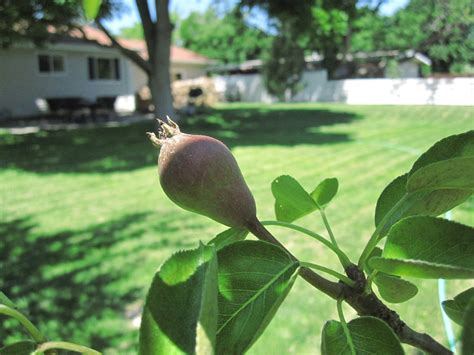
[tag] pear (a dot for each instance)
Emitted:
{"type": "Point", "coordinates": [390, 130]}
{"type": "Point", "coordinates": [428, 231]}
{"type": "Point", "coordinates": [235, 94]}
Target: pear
{"type": "Point", "coordinates": [200, 174]}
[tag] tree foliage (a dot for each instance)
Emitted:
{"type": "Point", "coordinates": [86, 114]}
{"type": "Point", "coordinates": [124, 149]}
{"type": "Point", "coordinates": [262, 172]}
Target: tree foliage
{"type": "Point", "coordinates": [283, 67]}
{"type": "Point", "coordinates": [134, 31]}
{"type": "Point", "coordinates": [39, 21]}
{"type": "Point", "coordinates": [443, 30]}
{"type": "Point", "coordinates": [228, 38]}
{"type": "Point", "coordinates": [331, 29]}
{"type": "Point", "coordinates": [32, 20]}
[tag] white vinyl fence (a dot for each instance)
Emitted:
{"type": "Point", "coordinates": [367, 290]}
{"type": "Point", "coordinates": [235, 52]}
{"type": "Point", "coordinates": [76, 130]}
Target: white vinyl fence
{"type": "Point", "coordinates": [316, 88]}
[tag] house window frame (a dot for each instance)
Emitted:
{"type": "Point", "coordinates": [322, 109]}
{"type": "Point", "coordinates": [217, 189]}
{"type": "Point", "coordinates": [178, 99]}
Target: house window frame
{"type": "Point", "coordinates": [64, 72]}
{"type": "Point", "coordinates": [113, 60]}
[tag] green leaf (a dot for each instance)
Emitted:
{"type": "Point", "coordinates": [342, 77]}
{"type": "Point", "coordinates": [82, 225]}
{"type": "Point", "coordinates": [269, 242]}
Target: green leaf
{"type": "Point", "coordinates": [228, 236]}
{"type": "Point", "coordinates": [429, 203]}
{"type": "Point", "coordinates": [370, 335]}
{"type": "Point", "coordinates": [291, 200]}
{"type": "Point", "coordinates": [374, 253]}
{"type": "Point", "coordinates": [24, 347]}
{"type": "Point", "coordinates": [91, 8]}
{"type": "Point", "coordinates": [452, 174]}
{"type": "Point", "coordinates": [460, 145]}
{"type": "Point", "coordinates": [392, 193]}
{"type": "Point", "coordinates": [254, 279]}
{"type": "Point", "coordinates": [428, 247]}
{"type": "Point", "coordinates": [456, 308]}
{"type": "Point", "coordinates": [180, 313]}
{"type": "Point", "coordinates": [325, 192]}
{"type": "Point", "coordinates": [393, 289]}
{"type": "Point", "coordinates": [467, 335]}
{"type": "Point", "coordinates": [438, 198]}
{"type": "Point", "coordinates": [6, 301]}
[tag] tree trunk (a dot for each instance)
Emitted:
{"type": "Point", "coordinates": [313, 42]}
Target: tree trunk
{"type": "Point", "coordinates": [161, 94]}
{"type": "Point", "coordinates": [159, 53]}
{"type": "Point", "coordinates": [159, 83]}
{"type": "Point", "coordinates": [157, 67]}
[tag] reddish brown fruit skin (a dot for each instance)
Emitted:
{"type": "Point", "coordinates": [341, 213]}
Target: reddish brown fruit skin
{"type": "Point", "coordinates": [200, 174]}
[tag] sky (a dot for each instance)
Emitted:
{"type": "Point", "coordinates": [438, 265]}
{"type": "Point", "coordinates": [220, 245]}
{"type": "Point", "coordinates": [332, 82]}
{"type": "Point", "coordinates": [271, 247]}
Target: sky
{"type": "Point", "coordinates": [185, 7]}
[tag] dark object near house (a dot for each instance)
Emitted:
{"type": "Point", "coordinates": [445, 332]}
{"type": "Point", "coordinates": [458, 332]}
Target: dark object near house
{"type": "Point", "coordinates": [106, 102]}
{"type": "Point", "coordinates": [193, 95]}
{"type": "Point", "coordinates": [67, 104]}
{"type": "Point", "coordinates": [195, 92]}
{"type": "Point", "coordinates": [79, 109]}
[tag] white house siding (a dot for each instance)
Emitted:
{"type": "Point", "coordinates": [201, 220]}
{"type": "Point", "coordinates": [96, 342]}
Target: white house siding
{"type": "Point", "coordinates": [316, 88]}
{"type": "Point", "coordinates": [21, 83]}
{"type": "Point", "coordinates": [246, 88]}
{"type": "Point", "coordinates": [139, 78]}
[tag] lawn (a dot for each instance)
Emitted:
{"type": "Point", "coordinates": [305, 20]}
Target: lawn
{"type": "Point", "coordinates": [84, 223]}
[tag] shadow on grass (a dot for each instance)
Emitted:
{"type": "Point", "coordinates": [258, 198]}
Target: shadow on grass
{"type": "Point", "coordinates": [125, 148]}
{"type": "Point", "coordinates": [75, 285]}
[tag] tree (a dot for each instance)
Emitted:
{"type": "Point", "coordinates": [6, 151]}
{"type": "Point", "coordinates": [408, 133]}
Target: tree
{"type": "Point", "coordinates": [135, 31]}
{"type": "Point", "coordinates": [443, 30]}
{"type": "Point", "coordinates": [28, 20]}
{"type": "Point", "coordinates": [31, 20]}
{"type": "Point", "coordinates": [369, 32]}
{"type": "Point", "coordinates": [157, 30]}
{"type": "Point", "coordinates": [228, 38]}
{"type": "Point", "coordinates": [283, 67]}
{"type": "Point", "coordinates": [284, 64]}
{"type": "Point", "coordinates": [331, 31]}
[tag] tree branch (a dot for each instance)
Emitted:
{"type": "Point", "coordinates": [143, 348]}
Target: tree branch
{"type": "Point", "coordinates": [132, 55]}
{"type": "Point", "coordinates": [365, 305]}
{"type": "Point", "coordinates": [147, 23]}
{"type": "Point", "coordinates": [376, 8]}
{"type": "Point", "coordinates": [333, 289]}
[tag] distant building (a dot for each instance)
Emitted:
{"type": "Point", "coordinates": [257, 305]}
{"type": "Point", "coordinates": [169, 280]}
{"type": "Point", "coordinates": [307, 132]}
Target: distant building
{"type": "Point", "coordinates": [379, 64]}
{"type": "Point", "coordinates": [81, 67]}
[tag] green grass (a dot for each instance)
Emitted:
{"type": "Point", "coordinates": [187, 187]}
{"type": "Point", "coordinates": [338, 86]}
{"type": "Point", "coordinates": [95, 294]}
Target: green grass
{"type": "Point", "coordinates": [84, 223]}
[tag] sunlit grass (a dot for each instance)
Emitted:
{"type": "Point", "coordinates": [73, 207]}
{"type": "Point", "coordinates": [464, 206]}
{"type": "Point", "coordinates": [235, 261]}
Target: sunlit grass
{"type": "Point", "coordinates": [84, 224]}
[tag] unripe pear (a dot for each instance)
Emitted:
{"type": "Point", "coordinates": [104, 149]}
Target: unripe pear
{"type": "Point", "coordinates": [200, 174]}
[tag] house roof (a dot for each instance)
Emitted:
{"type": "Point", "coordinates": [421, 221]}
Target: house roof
{"type": "Point", "coordinates": [252, 65]}
{"type": "Point", "coordinates": [178, 54]}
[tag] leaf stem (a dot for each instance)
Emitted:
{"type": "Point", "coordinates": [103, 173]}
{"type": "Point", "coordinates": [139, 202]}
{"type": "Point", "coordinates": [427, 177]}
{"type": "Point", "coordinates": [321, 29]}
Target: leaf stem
{"type": "Point", "coordinates": [30, 327]}
{"type": "Point", "coordinates": [342, 257]}
{"type": "Point", "coordinates": [66, 346]}
{"type": "Point", "coordinates": [328, 227]}
{"type": "Point", "coordinates": [374, 238]}
{"type": "Point", "coordinates": [370, 279]}
{"type": "Point", "coordinates": [345, 327]}
{"type": "Point", "coordinates": [336, 274]}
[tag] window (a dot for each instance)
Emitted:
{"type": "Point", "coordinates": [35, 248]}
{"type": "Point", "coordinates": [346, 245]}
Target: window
{"type": "Point", "coordinates": [50, 63]}
{"type": "Point", "coordinates": [103, 68]}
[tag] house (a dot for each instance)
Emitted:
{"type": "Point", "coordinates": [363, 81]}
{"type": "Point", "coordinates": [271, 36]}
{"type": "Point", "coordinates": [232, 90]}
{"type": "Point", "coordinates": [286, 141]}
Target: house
{"type": "Point", "coordinates": [383, 64]}
{"type": "Point", "coordinates": [82, 65]}
{"type": "Point", "coordinates": [379, 64]}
